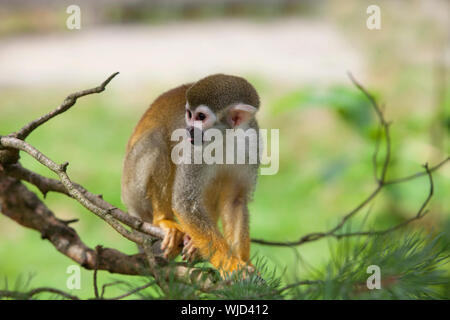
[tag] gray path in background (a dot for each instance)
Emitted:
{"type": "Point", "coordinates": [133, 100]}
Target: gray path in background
{"type": "Point", "coordinates": [291, 51]}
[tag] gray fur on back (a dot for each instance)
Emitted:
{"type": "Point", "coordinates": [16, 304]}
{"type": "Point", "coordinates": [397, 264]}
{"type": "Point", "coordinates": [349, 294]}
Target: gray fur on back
{"type": "Point", "coordinates": [147, 155]}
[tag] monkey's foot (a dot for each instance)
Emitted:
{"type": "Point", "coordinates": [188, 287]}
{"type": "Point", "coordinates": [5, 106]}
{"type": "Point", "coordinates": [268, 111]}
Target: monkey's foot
{"type": "Point", "coordinates": [189, 253]}
{"type": "Point", "coordinates": [171, 244]}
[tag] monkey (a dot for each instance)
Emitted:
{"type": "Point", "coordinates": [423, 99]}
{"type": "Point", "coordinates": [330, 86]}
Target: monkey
{"type": "Point", "coordinates": [187, 199]}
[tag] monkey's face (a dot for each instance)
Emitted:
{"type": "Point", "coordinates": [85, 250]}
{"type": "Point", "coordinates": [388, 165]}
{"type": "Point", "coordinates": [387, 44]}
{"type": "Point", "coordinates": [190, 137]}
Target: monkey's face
{"type": "Point", "coordinates": [202, 118]}
{"type": "Point", "coordinates": [198, 120]}
{"type": "Point", "coordinates": [219, 101]}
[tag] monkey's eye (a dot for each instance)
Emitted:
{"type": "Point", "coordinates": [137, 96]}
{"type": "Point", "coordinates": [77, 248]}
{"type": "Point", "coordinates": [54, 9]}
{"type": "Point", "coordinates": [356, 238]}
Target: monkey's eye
{"type": "Point", "coordinates": [189, 113]}
{"type": "Point", "coordinates": [201, 116]}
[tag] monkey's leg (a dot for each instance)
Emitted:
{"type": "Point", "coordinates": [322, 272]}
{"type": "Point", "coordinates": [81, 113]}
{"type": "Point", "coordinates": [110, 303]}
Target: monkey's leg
{"type": "Point", "coordinates": [190, 205]}
{"type": "Point", "coordinates": [235, 223]}
{"type": "Point", "coordinates": [207, 238]}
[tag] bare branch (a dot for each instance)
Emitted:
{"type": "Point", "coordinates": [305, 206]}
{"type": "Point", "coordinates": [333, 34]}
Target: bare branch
{"type": "Point", "coordinates": [98, 250]}
{"type": "Point", "coordinates": [60, 170]}
{"type": "Point", "coordinates": [375, 155]}
{"type": "Point", "coordinates": [419, 174]}
{"type": "Point", "coordinates": [24, 207]}
{"type": "Point", "coordinates": [384, 124]}
{"type": "Point", "coordinates": [422, 212]}
{"type": "Point", "coordinates": [46, 185]}
{"type": "Point", "coordinates": [67, 103]}
{"type": "Point", "coordinates": [109, 285]}
{"type": "Point", "coordinates": [145, 286]}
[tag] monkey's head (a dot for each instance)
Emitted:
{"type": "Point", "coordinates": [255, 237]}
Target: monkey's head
{"type": "Point", "coordinates": [220, 101]}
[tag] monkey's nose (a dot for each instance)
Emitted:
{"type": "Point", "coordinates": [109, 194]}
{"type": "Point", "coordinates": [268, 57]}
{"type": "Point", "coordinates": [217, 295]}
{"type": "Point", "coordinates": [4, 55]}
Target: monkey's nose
{"type": "Point", "coordinates": [195, 135]}
{"type": "Point", "coordinates": [190, 131]}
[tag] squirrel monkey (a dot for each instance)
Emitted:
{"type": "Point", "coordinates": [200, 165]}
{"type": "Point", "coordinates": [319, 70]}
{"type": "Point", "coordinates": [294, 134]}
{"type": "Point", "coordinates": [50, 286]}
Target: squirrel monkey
{"type": "Point", "coordinates": [186, 200]}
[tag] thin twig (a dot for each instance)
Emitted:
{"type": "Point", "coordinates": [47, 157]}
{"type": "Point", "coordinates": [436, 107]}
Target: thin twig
{"type": "Point", "coordinates": [420, 213]}
{"type": "Point", "coordinates": [384, 124]}
{"type": "Point", "coordinates": [97, 263]}
{"type": "Point", "coordinates": [375, 155]}
{"type": "Point", "coordinates": [67, 103]}
{"type": "Point", "coordinates": [110, 284]}
{"type": "Point", "coordinates": [28, 295]}
{"type": "Point", "coordinates": [417, 175]}
{"type": "Point", "coordinates": [135, 290]}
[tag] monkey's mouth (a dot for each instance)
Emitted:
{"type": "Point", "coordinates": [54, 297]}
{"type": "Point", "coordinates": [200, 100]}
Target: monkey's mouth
{"type": "Point", "coordinates": [195, 135]}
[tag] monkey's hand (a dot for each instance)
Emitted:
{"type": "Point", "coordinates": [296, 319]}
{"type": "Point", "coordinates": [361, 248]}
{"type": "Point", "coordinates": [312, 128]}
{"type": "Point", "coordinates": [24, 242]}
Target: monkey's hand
{"type": "Point", "coordinates": [190, 252]}
{"type": "Point", "coordinates": [171, 244]}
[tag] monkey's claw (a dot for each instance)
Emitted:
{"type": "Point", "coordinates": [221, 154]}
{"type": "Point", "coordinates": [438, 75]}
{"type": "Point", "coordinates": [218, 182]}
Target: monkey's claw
{"type": "Point", "coordinates": [171, 243]}
{"type": "Point", "coordinates": [189, 253]}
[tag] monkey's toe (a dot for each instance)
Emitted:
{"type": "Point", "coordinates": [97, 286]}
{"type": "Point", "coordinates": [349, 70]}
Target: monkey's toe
{"type": "Point", "coordinates": [171, 245]}
{"type": "Point", "coordinates": [190, 252]}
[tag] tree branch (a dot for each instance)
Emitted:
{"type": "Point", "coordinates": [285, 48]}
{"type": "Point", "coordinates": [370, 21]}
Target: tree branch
{"type": "Point", "coordinates": [67, 103]}
{"type": "Point", "coordinates": [24, 207]}
{"type": "Point", "coordinates": [45, 185]}
{"type": "Point", "coordinates": [60, 170]}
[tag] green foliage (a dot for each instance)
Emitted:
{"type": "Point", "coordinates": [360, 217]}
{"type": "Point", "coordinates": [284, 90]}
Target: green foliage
{"type": "Point", "coordinates": [21, 283]}
{"type": "Point", "coordinates": [264, 285]}
{"type": "Point", "coordinates": [411, 265]}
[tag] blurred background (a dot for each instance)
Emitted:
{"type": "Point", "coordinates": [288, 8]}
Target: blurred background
{"type": "Point", "coordinates": [296, 53]}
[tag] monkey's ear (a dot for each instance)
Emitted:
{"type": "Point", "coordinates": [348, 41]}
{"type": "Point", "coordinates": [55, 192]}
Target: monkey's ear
{"type": "Point", "coordinates": [240, 114]}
